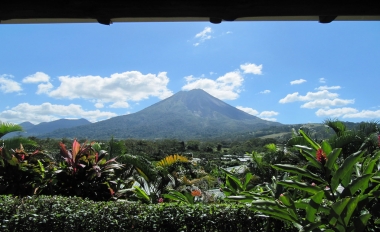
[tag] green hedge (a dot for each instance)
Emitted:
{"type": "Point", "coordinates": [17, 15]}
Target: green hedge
{"type": "Point", "coordinates": [56, 213]}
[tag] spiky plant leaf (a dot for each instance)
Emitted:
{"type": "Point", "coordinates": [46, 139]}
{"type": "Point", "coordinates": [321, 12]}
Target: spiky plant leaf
{"type": "Point", "coordinates": [6, 127]}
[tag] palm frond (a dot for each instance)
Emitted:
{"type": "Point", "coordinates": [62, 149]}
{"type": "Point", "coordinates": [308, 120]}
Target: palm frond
{"type": "Point", "coordinates": [6, 127]}
{"type": "Point", "coordinates": [141, 165]}
{"type": "Point", "coordinates": [336, 125]}
{"type": "Point", "coordinates": [172, 159]}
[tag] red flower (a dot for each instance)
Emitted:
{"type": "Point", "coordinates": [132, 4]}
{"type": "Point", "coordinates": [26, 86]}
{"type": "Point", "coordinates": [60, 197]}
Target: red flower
{"type": "Point", "coordinates": [321, 156]}
{"type": "Point", "coordinates": [196, 193]}
{"type": "Point", "coordinates": [160, 200]}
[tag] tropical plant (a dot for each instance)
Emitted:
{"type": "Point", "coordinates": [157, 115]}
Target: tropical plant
{"type": "Point", "coordinates": [330, 193]}
{"type": "Point", "coordinates": [235, 187]}
{"type": "Point", "coordinates": [6, 127]}
{"type": "Point", "coordinates": [190, 196]}
{"type": "Point", "coordinates": [23, 173]}
{"type": "Point", "coordinates": [86, 172]}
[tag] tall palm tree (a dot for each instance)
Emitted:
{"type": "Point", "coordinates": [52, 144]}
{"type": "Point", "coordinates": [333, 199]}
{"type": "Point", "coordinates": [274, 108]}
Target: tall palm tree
{"type": "Point", "coordinates": [6, 127]}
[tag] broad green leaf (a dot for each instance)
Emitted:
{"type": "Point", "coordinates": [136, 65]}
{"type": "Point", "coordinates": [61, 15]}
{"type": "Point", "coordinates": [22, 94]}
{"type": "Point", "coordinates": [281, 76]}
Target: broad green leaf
{"type": "Point", "coordinates": [300, 186]}
{"type": "Point", "coordinates": [355, 185]}
{"type": "Point", "coordinates": [346, 180]}
{"type": "Point", "coordinates": [313, 206]}
{"type": "Point", "coordinates": [350, 208]}
{"type": "Point", "coordinates": [176, 196]}
{"type": "Point", "coordinates": [304, 147]}
{"type": "Point", "coordinates": [233, 183]}
{"type": "Point", "coordinates": [340, 228]}
{"type": "Point", "coordinates": [142, 194]}
{"type": "Point", "coordinates": [311, 157]}
{"type": "Point", "coordinates": [272, 209]}
{"type": "Point", "coordinates": [311, 226]}
{"type": "Point", "coordinates": [142, 174]}
{"type": "Point", "coordinates": [357, 168]}
{"type": "Point", "coordinates": [313, 144]}
{"type": "Point", "coordinates": [189, 197]}
{"type": "Point", "coordinates": [337, 209]}
{"type": "Point", "coordinates": [331, 159]}
{"type": "Point", "coordinates": [42, 169]}
{"type": "Point", "coordinates": [360, 223]}
{"type": "Point", "coordinates": [287, 201]}
{"type": "Point", "coordinates": [304, 203]}
{"type": "Point", "coordinates": [13, 161]}
{"type": "Point", "coordinates": [248, 177]}
{"type": "Point", "coordinates": [326, 147]}
{"type": "Point", "coordinates": [299, 171]}
{"type": "Point", "coordinates": [345, 169]}
{"type": "Point", "coordinates": [369, 168]}
{"type": "Point", "coordinates": [5, 153]}
{"type": "Point", "coordinates": [244, 199]}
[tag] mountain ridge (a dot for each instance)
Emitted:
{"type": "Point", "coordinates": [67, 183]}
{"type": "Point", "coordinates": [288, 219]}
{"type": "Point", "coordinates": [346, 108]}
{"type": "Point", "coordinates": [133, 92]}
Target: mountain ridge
{"type": "Point", "coordinates": [184, 115]}
{"type": "Point", "coordinates": [30, 129]}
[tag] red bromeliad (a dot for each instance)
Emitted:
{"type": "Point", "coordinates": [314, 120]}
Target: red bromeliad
{"type": "Point", "coordinates": [321, 156]}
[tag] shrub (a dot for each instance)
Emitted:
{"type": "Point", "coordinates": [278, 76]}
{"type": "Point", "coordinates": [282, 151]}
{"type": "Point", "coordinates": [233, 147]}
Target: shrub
{"type": "Point", "coordinates": [56, 213]}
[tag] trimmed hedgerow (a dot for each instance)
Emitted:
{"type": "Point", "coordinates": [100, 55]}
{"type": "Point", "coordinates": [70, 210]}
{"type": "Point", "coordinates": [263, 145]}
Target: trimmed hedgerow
{"type": "Point", "coordinates": [56, 213]}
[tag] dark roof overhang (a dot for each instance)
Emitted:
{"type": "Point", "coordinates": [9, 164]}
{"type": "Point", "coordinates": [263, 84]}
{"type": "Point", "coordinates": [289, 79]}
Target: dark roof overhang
{"type": "Point", "coordinates": [108, 11]}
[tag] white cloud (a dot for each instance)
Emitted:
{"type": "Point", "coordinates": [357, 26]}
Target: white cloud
{"type": "Point", "coordinates": [268, 114]}
{"type": "Point", "coordinates": [338, 112]}
{"type": "Point", "coordinates": [120, 105]}
{"type": "Point", "coordinates": [310, 96]}
{"type": "Point", "coordinates": [248, 110]}
{"type": "Point", "coordinates": [9, 86]}
{"type": "Point", "coordinates": [322, 80]}
{"type": "Point", "coordinates": [270, 119]}
{"type": "Point", "coordinates": [39, 77]}
{"type": "Point", "coordinates": [297, 82]}
{"type": "Point", "coordinates": [132, 85]}
{"type": "Point", "coordinates": [252, 68]}
{"type": "Point", "coordinates": [226, 87]}
{"type": "Point", "coordinates": [44, 88]}
{"type": "Point", "coordinates": [36, 78]}
{"type": "Point", "coordinates": [203, 36]}
{"type": "Point", "coordinates": [265, 91]}
{"type": "Point", "coordinates": [265, 115]}
{"type": "Point", "coordinates": [363, 114]}
{"type": "Point", "coordinates": [328, 87]}
{"type": "Point", "coordinates": [190, 78]}
{"type": "Point", "coordinates": [321, 103]}
{"type": "Point", "coordinates": [99, 105]}
{"type": "Point", "coordinates": [347, 112]}
{"type": "Point", "coordinates": [47, 112]}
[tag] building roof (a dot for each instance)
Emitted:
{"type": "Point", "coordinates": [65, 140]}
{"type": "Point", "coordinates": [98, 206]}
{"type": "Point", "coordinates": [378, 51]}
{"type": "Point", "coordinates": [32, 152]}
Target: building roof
{"type": "Point", "coordinates": [106, 12]}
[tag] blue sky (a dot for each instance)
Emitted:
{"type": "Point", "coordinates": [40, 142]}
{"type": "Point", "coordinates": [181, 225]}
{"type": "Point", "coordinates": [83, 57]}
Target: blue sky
{"type": "Point", "coordinates": [289, 72]}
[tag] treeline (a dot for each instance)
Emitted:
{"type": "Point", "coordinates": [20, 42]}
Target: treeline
{"type": "Point", "coordinates": [157, 149]}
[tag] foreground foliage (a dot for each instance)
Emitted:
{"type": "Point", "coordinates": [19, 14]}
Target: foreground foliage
{"type": "Point", "coordinates": [57, 213]}
{"type": "Point", "coordinates": [335, 190]}
{"type": "Point", "coordinates": [313, 185]}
